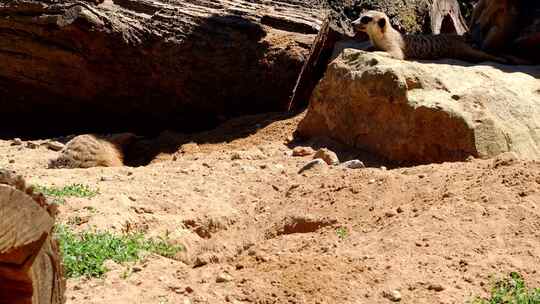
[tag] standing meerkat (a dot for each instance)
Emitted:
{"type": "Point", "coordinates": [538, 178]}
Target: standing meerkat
{"type": "Point", "coordinates": [428, 47]}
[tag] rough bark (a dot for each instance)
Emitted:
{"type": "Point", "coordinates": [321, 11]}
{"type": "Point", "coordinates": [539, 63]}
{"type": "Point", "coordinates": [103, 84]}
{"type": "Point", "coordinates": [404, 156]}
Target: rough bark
{"type": "Point", "coordinates": [30, 268]}
{"type": "Point", "coordinates": [181, 63]}
{"type": "Point", "coordinates": [446, 17]}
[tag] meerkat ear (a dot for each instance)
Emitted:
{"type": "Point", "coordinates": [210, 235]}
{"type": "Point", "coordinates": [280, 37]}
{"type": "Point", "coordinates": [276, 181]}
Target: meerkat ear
{"type": "Point", "coordinates": [382, 23]}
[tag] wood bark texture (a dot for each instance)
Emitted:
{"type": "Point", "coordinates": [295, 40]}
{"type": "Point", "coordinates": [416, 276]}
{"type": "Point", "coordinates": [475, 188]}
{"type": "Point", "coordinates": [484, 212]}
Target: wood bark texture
{"type": "Point", "coordinates": [135, 64]}
{"type": "Point", "coordinates": [446, 17]}
{"type": "Point", "coordinates": [30, 267]}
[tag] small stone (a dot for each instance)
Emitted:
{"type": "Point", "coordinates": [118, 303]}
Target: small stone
{"type": "Point", "coordinates": [279, 167]}
{"type": "Point", "coordinates": [505, 159]}
{"type": "Point", "coordinates": [54, 145]}
{"type": "Point", "coordinates": [302, 151]}
{"type": "Point", "coordinates": [399, 210]}
{"type": "Point", "coordinates": [328, 156]}
{"type": "Point", "coordinates": [16, 142]}
{"type": "Point", "coordinates": [105, 179]}
{"type": "Point", "coordinates": [392, 295]}
{"type": "Point", "coordinates": [110, 265]}
{"type": "Point", "coordinates": [31, 145]}
{"type": "Point", "coordinates": [436, 287]}
{"type": "Point", "coordinates": [189, 289]}
{"type": "Point", "coordinates": [354, 164]}
{"type": "Point", "coordinates": [236, 156]}
{"type": "Point", "coordinates": [136, 269]}
{"type": "Point", "coordinates": [133, 199]}
{"type": "Point", "coordinates": [390, 213]}
{"type": "Point", "coordinates": [11, 161]}
{"type": "Point", "coordinates": [384, 168]}
{"type": "Point", "coordinates": [189, 148]}
{"type": "Point", "coordinates": [223, 277]}
{"type": "Point", "coordinates": [314, 164]}
{"type": "Point", "coordinates": [371, 181]}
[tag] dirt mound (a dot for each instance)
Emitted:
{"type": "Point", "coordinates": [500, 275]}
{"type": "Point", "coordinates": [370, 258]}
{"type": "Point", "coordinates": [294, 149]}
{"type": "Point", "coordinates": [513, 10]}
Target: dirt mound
{"type": "Point", "coordinates": [257, 231]}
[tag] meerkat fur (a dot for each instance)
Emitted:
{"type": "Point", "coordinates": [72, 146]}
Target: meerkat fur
{"type": "Point", "coordinates": [422, 47]}
{"type": "Point", "coordinates": [89, 150]}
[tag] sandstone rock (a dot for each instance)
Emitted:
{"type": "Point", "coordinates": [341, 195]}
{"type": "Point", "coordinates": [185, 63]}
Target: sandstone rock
{"type": "Point", "coordinates": [315, 164]}
{"type": "Point", "coordinates": [436, 287]}
{"type": "Point", "coordinates": [328, 156]}
{"type": "Point", "coordinates": [223, 278]}
{"type": "Point", "coordinates": [426, 112]}
{"type": "Point", "coordinates": [16, 142]}
{"type": "Point", "coordinates": [392, 295]}
{"type": "Point", "coordinates": [54, 145]}
{"type": "Point", "coordinates": [302, 151]}
{"type": "Point", "coordinates": [353, 164]}
{"type": "Point", "coordinates": [31, 145]}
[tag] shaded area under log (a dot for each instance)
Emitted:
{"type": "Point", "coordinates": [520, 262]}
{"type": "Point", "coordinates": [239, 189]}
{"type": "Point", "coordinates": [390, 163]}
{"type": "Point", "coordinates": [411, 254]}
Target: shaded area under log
{"type": "Point", "coordinates": [147, 65]}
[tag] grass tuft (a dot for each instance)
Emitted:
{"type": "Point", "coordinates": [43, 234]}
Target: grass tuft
{"type": "Point", "coordinates": [342, 232]}
{"type": "Point", "coordinates": [511, 290]}
{"type": "Point", "coordinates": [85, 253]}
{"type": "Point", "coordinates": [73, 190]}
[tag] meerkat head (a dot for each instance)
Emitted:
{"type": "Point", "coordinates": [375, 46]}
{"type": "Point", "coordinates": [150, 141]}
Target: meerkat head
{"type": "Point", "coordinates": [373, 23]}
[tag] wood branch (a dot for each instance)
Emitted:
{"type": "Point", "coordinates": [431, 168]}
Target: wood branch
{"type": "Point", "coordinates": [314, 68]}
{"type": "Point", "coordinates": [179, 63]}
{"type": "Point", "coordinates": [30, 267]}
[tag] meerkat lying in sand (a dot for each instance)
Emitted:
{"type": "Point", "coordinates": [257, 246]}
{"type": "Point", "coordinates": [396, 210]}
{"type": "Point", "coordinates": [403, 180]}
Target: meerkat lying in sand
{"type": "Point", "coordinates": [86, 151]}
{"type": "Point", "coordinates": [385, 38]}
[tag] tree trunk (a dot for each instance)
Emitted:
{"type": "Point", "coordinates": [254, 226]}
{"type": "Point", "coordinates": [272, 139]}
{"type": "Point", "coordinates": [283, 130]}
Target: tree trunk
{"type": "Point", "coordinates": [30, 267]}
{"type": "Point", "coordinates": [179, 64]}
{"type": "Point", "coordinates": [446, 17]}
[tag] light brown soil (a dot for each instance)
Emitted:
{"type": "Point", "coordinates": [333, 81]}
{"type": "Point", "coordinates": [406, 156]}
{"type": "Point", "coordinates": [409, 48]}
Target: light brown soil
{"type": "Point", "coordinates": [237, 202]}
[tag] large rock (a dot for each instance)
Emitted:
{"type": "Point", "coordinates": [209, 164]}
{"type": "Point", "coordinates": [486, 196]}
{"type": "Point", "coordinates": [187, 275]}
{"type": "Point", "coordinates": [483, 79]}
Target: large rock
{"type": "Point", "coordinates": [426, 112]}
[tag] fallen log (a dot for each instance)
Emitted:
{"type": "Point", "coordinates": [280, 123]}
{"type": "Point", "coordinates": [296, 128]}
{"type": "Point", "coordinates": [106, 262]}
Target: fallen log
{"type": "Point", "coordinates": [180, 64]}
{"type": "Point", "coordinates": [30, 267]}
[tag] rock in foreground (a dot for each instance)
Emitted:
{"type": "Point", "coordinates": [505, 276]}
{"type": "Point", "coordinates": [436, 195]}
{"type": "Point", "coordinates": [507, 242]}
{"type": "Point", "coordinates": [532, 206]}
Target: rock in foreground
{"type": "Point", "coordinates": [417, 112]}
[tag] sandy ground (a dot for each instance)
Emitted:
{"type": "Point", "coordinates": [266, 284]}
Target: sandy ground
{"type": "Point", "coordinates": [435, 233]}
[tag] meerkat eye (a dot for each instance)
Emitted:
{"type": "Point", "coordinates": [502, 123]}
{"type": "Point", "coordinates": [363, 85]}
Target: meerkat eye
{"type": "Point", "coordinates": [365, 20]}
{"type": "Point", "coordinates": [381, 23]}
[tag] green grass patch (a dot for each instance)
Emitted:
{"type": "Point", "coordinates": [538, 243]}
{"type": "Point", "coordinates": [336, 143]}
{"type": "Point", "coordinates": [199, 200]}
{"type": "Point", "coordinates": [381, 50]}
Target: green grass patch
{"type": "Point", "coordinates": [73, 190]}
{"type": "Point", "coordinates": [342, 232]}
{"type": "Point", "coordinates": [511, 290]}
{"type": "Point", "coordinates": [84, 253]}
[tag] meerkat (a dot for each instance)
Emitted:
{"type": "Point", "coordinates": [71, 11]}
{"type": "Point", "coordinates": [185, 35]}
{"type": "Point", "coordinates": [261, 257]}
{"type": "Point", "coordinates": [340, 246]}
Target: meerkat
{"type": "Point", "coordinates": [88, 150]}
{"type": "Point", "coordinates": [428, 47]}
